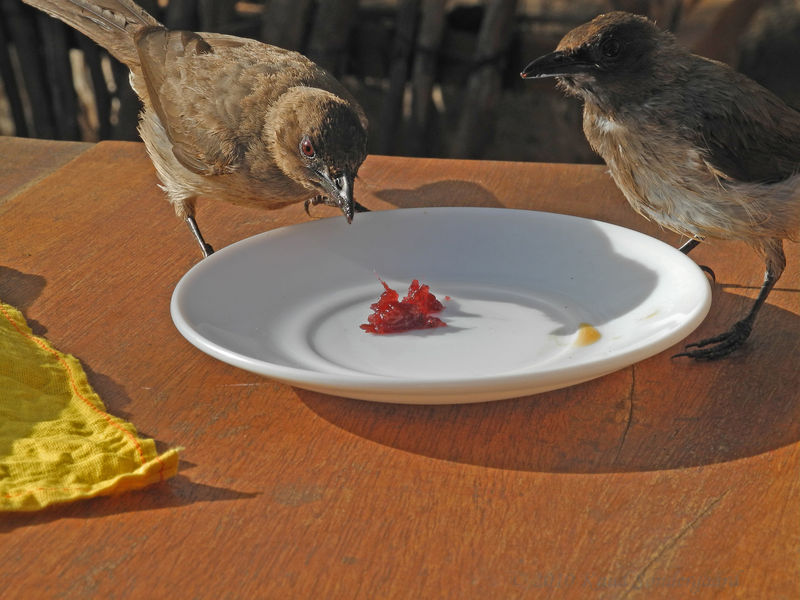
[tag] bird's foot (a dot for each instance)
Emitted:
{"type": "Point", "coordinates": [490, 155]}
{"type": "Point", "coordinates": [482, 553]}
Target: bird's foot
{"type": "Point", "coordinates": [721, 345]}
{"type": "Point", "coordinates": [314, 202]}
{"type": "Point", "coordinates": [328, 202]}
{"type": "Point", "coordinates": [206, 249]}
{"type": "Point", "coordinates": [708, 271]}
{"type": "Point", "coordinates": [687, 247]}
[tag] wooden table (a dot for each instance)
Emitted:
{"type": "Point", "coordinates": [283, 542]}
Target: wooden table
{"type": "Point", "coordinates": [667, 479]}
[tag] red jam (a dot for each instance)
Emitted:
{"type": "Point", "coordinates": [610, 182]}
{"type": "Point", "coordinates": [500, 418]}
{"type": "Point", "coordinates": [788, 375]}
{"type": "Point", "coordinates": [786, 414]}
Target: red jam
{"type": "Point", "coordinates": [392, 315]}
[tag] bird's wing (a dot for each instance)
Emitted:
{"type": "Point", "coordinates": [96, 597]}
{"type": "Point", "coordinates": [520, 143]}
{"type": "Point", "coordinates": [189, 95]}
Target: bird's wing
{"type": "Point", "coordinates": [750, 137]}
{"type": "Point", "coordinates": [196, 90]}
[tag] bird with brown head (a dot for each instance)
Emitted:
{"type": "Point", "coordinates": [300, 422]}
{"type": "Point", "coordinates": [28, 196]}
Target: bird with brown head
{"type": "Point", "coordinates": [229, 118]}
{"type": "Point", "coordinates": [692, 144]}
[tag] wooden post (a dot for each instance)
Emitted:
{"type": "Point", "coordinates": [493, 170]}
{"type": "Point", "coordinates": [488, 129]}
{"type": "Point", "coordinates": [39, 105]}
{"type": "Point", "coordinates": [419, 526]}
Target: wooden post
{"type": "Point", "coordinates": [328, 41]}
{"type": "Point", "coordinates": [429, 40]}
{"type": "Point", "coordinates": [182, 14]}
{"type": "Point", "coordinates": [10, 86]}
{"type": "Point", "coordinates": [391, 111]}
{"type": "Point", "coordinates": [58, 70]}
{"type": "Point", "coordinates": [126, 127]}
{"type": "Point", "coordinates": [93, 55]}
{"type": "Point", "coordinates": [216, 15]}
{"type": "Point", "coordinates": [484, 85]}
{"type": "Point", "coordinates": [20, 22]}
{"type": "Point", "coordinates": [285, 23]}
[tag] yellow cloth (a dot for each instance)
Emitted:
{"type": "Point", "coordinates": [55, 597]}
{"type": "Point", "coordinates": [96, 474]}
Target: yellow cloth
{"type": "Point", "coordinates": [57, 442]}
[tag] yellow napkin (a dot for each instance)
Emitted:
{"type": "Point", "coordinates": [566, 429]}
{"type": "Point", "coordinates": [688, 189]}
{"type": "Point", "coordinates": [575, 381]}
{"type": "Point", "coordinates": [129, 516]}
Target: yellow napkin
{"type": "Point", "coordinates": [57, 442]}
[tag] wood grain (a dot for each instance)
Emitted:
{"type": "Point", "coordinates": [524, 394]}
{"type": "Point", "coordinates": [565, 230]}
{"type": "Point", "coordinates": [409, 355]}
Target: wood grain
{"type": "Point", "coordinates": [663, 480]}
{"type": "Point", "coordinates": [26, 161]}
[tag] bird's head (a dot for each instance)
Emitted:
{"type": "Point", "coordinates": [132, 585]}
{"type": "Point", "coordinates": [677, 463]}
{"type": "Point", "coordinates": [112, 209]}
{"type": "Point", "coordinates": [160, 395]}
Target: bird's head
{"type": "Point", "coordinates": [319, 141]}
{"type": "Point", "coordinates": [617, 54]}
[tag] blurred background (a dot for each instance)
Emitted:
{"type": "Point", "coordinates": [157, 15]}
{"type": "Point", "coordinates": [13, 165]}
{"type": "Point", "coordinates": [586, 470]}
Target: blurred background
{"type": "Point", "coordinates": [436, 77]}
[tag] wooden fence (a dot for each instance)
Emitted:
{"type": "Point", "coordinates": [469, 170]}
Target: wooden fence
{"type": "Point", "coordinates": [436, 77]}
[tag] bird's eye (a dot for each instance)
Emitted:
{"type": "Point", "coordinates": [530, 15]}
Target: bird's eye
{"type": "Point", "coordinates": [307, 148]}
{"type": "Point", "coordinates": [610, 48]}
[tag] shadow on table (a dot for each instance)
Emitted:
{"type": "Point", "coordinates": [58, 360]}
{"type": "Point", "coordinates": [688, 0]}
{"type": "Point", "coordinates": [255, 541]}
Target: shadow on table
{"type": "Point", "coordinates": [174, 492]}
{"type": "Point", "coordinates": [20, 290]}
{"type": "Point", "coordinates": [659, 414]}
{"type": "Point", "coordinates": [452, 192]}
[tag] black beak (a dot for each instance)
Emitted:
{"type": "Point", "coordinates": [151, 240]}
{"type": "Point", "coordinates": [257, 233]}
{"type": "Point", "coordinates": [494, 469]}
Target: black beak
{"type": "Point", "coordinates": [345, 197]}
{"type": "Point", "coordinates": [556, 64]}
{"type": "Point", "coordinates": [340, 192]}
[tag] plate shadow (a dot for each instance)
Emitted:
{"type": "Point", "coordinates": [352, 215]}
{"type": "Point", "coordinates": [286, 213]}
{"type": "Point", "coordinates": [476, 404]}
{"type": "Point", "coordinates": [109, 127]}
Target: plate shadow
{"type": "Point", "coordinates": [659, 414]}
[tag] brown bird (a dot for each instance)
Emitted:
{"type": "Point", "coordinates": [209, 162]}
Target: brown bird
{"type": "Point", "coordinates": [692, 144]}
{"type": "Point", "coordinates": [228, 117]}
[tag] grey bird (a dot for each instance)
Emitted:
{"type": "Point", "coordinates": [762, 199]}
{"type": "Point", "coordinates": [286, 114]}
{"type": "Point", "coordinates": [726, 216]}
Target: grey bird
{"type": "Point", "coordinates": [692, 144]}
{"type": "Point", "coordinates": [229, 118]}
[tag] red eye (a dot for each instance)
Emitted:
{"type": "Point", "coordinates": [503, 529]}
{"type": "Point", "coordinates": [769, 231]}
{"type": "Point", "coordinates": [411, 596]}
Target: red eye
{"type": "Point", "coordinates": [307, 148]}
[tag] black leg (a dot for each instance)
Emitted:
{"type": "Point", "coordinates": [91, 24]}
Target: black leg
{"type": "Point", "coordinates": [205, 248]}
{"type": "Point", "coordinates": [688, 247]}
{"type": "Point", "coordinates": [722, 345]}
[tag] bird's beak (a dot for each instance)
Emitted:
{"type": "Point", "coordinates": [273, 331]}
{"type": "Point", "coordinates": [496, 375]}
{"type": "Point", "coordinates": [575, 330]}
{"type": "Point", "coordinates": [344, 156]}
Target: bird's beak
{"type": "Point", "coordinates": [556, 64]}
{"type": "Point", "coordinates": [340, 192]}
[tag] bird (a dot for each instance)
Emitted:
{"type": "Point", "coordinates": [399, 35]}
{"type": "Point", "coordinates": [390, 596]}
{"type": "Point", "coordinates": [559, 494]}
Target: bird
{"type": "Point", "coordinates": [693, 145]}
{"type": "Point", "coordinates": [229, 118]}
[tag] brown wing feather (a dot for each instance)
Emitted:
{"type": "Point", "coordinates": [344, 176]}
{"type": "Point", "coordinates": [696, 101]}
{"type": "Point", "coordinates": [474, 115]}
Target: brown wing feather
{"type": "Point", "coordinates": [203, 134]}
{"type": "Point", "coordinates": [752, 137]}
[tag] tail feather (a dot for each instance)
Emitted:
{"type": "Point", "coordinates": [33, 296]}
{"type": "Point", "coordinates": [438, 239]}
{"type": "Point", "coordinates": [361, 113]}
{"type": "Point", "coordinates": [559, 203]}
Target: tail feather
{"type": "Point", "coordinates": [110, 23]}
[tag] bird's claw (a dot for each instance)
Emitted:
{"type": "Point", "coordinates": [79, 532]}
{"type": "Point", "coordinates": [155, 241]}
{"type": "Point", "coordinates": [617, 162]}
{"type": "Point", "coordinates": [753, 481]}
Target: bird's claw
{"type": "Point", "coordinates": [708, 271]}
{"type": "Point", "coordinates": [687, 247]}
{"type": "Point", "coordinates": [721, 345]}
{"type": "Point", "coordinates": [327, 202]}
{"type": "Point", "coordinates": [313, 202]}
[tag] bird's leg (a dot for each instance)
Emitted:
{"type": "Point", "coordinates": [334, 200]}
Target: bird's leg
{"type": "Point", "coordinates": [205, 248]}
{"type": "Point", "coordinates": [721, 345]}
{"type": "Point", "coordinates": [687, 247]}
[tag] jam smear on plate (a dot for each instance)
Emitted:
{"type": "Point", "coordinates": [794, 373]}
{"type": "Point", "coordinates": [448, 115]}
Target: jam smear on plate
{"type": "Point", "coordinates": [390, 314]}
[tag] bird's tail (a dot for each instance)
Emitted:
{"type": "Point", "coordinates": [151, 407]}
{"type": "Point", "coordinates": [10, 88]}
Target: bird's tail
{"type": "Point", "coordinates": [110, 23]}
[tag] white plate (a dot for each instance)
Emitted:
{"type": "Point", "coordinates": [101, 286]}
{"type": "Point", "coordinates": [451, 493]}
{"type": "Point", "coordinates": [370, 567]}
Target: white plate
{"type": "Point", "coordinates": [288, 303]}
